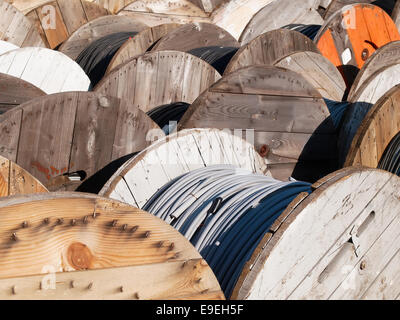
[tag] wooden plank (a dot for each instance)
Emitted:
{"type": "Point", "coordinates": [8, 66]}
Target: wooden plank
{"type": "Point", "coordinates": [6, 46]}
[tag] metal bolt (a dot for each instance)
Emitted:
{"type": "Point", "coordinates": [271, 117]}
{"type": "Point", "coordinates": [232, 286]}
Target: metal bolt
{"type": "Point", "coordinates": [121, 289]}
{"type": "Point", "coordinates": [171, 246]}
{"type": "Point", "coordinates": [90, 286]}
{"type": "Point", "coordinates": [60, 221]}
{"type": "Point", "coordinates": [46, 221]}
{"type": "Point", "coordinates": [72, 284]}
{"type": "Point", "coordinates": [94, 215]}
{"type": "Point", "coordinates": [85, 220]}
{"type": "Point", "coordinates": [363, 265]}
{"type": "Point", "coordinates": [25, 224]}
{"type": "Point", "coordinates": [114, 223]}
{"type": "Point", "coordinates": [365, 54]}
{"type": "Point", "coordinates": [147, 234]}
{"type": "Point", "coordinates": [124, 227]}
{"type": "Point", "coordinates": [14, 237]}
{"type": "Point", "coordinates": [73, 222]}
{"type": "Point", "coordinates": [134, 229]}
{"type": "Point", "coordinates": [137, 295]}
{"type": "Point", "coordinates": [160, 244]}
{"type": "Point", "coordinates": [184, 264]}
{"type": "Point", "coordinates": [14, 290]}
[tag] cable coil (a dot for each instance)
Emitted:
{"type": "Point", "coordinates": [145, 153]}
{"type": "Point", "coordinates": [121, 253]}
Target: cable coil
{"type": "Point", "coordinates": [218, 57]}
{"type": "Point", "coordinates": [225, 212]}
{"type": "Point", "coordinates": [390, 160]}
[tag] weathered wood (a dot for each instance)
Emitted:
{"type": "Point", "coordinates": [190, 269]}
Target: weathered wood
{"type": "Point", "coordinates": [317, 70]}
{"type": "Point", "coordinates": [332, 244]}
{"type": "Point", "coordinates": [383, 57]}
{"type": "Point", "coordinates": [288, 115]}
{"type": "Point", "coordinates": [396, 14]}
{"type": "Point", "coordinates": [49, 70]}
{"type": "Point", "coordinates": [57, 135]}
{"type": "Point", "coordinates": [57, 20]}
{"type": "Point", "coordinates": [159, 78]}
{"type": "Point", "coordinates": [379, 127]}
{"type": "Point", "coordinates": [140, 44]}
{"type": "Point", "coordinates": [195, 35]}
{"type": "Point", "coordinates": [281, 13]}
{"type": "Point", "coordinates": [16, 28]}
{"type": "Point", "coordinates": [16, 181]}
{"type": "Point", "coordinates": [351, 35]}
{"type": "Point", "coordinates": [6, 46]}
{"type": "Point", "coordinates": [14, 91]}
{"type": "Point", "coordinates": [335, 5]}
{"type": "Point", "coordinates": [96, 29]}
{"type": "Point", "coordinates": [67, 232]}
{"type": "Point", "coordinates": [142, 176]}
{"type": "Point", "coordinates": [270, 47]}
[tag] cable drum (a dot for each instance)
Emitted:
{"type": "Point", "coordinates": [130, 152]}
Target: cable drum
{"type": "Point", "coordinates": [390, 160]}
{"type": "Point", "coordinates": [224, 212]}
{"type": "Point", "coordinates": [307, 30]}
{"type": "Point", "coordinates": [95, 59]}
{"type": "Point", "coordinates": [218, 57]}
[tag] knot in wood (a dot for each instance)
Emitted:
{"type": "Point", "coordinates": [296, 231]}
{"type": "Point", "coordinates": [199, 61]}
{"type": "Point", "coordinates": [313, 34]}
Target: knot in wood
{"type": "Point", "coordinates": [79, 256]}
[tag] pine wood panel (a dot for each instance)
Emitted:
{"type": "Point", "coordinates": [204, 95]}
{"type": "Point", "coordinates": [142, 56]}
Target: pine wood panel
{"type": "Point", "coordinates": [16, 181]}
{"type": "Point", "coordinates": [60, 134]}
{"type": "Point", "coordinates": [359, 205]}
{"type": "Point", "coordinates": [49, 70]}
{"type": "Point", "coordinates": [96, 29]}
{"type": "Point", "coordinates": [140, 44]}
{"type": "Point", "coordinates": [16, 28]}
{"type": "Point", "coordinates": [57, 20]}
{"type": "Point", "coordinates": [159, 78]}
{"type": "Point", "coordinates": [287, 114]}
{"type": "Point", "coordinates": [14, 91]}
{"type": "Point", "coordinates": [269, 47]}
{"type": "Point", "coordinates": [142, 176]}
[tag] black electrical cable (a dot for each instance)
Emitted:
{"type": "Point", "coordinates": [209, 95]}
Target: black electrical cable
{"type": "Point", "coordinates": [218, 57]}
{"type": "Point", "coordinates": [309, 31]}
{"type": "Point", "coordinates": [95, 59]}
{"type": "Point", "coordinates": [390, 160]}
{"type": "Point", "coordinates": [167, 116]}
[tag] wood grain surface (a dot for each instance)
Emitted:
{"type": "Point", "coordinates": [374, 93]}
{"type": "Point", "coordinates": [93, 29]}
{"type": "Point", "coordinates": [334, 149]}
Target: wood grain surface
{"type": "Point", "coordinates": [6, 46]}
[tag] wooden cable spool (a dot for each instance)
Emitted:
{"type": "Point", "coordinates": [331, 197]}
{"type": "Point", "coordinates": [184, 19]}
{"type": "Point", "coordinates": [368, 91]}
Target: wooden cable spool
{"type": "Point", "coordinates": [195, 35]}
{"type": "Point", "coordinates": [96, 29]}
{"type": "Point", "coordinates": [377, 130]}
{"type": "Point", "coordinates": [65, 138]}
{"type": "Point", "coordinates": [385, 56]}
{"type": "Point", "coordinates": [139, 178]}
{"type": "Point", "coordinates": [16, 181]}
{"type": "Point", "coordinates": [57, 20]}
{"type": "Point", "coordinates": [291, 120]}
{"type": "Point", "coordinates": [69, 232]}
{"type": "Point", "coordinates": [14, 91]}
{"type": "Point", "coordinates": [270, 47]}
{"type": "Point", "coordinates": [49, 70]}
{"type": "Point", "coordinates": [159, 78]}
{"type": "Point", "coordinates": [317, 70]}
{"type": "Point", "coordinates": [6, 46]}
{"type": "Point", "coordinates": [279, 14]}
{"type": "Point", "coordinates": [350, 36]}
{"type": "Point", "coordinates": [340, 242]}
{"type": "Point", "coordinates": [140, 44]}
{"type": "Point", "coordinates": [16, 28]}
{"type": "Point", "coordinates": [396, 14]}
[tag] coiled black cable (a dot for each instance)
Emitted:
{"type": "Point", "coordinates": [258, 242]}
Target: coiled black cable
{"type": "Point", "coordinates": [95, 59]}
{"type": "Point", "coordinates": [390, 160]}
{"type": "Point", "coordinates": [166, 115]}
{"type": "Point", "coordinates": [218, 57]}
{"type": "Point", "coordinates": [309, 31]}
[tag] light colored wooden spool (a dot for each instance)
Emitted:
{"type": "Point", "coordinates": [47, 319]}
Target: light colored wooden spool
{"type": "Point", "coordinates": [385, 56]}
{"type": "Point", "coordinates": [96, 29]}
{"type": "Point", "coordinates": [340, 242]}
{"type": "Point", "coordinates": [281, 13]}
{"type": "Point", "coordinates": [14, 91]}
{"type": "Point", "coordinates": [142, 176]}
{"type": "Point", "coordinates": [270, 47]}
{"type": "Point", "coordinates": [6, 46]}
{"type": "Point", "coordinates": [317, 70]}
{"type": "Point", "coordinates": [16, 181]}
{"type": "Point", "coordinates": [379, 127]}
{"type": "Point", "coordinates": [159, 78]}
{"type": "Point", "coordinates": [16, 28]}
{"type": "Point", "coordinates": [195, 35]}
{"type": "Point", "coordinates": [396, 14]}
{"type": "Point", "coordinates": [351, 35]}
{"type": "Point", "coordinates": [57, 20]}
{"type": "Point", "coordinates": [288, 116]}
{"type": "Point", "coordinates": [57, 135]}
{"type": "Point", "coordinates": [49, 70]}
{"type": "Point", "coordinates": [140, 44]}
{"type": "Point", "coordinates": [68, 232]}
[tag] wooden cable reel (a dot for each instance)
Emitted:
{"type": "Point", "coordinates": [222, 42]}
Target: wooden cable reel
{"type": "Point", "coordinates": [379, 127]}
{"type": "Point", "coordinates": [65, 138]}
{"type": "Point", "coordinates": [6, 46]}
{"type": "Point", "coordinates": [317, 70]}
{"type": "Point", "coordinates": [57, 20]}
{"type": "Point", "coordinates": [109, 245]}
{"type": "Point", "coordinates": [142, 176]}
{"type": "Point", "coordinates": [340, 242]}
{"type": "Point", "coordinates": [195, 35]}
{"type": "Point", "coordinates": [279, 14]}
{"type": "Point", "coordinates": [96, 29]}
{"type": "Point", "coordinates": [16, 181]}
{"type": "Point", "coordinates": [140, 44]}
{"type": "Point", "coordinates": [49, 70]}
{"type": "Point", "coordinates": [291, 121]}
{"type": "Point", "coordinates": [270, 47]}
{"type": "Point", "coordinates": [14, 91]}
{"type": "Point", "coordinates": [16, 28]}
{"type": "Point", "coordinates": [350, 36]}
{"type": "Point", "coordinates": [159, 78]}
{"type": "Point", "coordinates": [396, 15]}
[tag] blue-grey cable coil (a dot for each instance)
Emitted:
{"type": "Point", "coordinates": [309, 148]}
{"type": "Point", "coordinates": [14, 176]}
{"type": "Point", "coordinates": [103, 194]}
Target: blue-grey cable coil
{"type": "Point", "coordinates": [218, 57]}
{"type": "Point", "coordinates": [337, 111]}
{"type": "Point", "coordinates": [225, 212]}
{"type": "Point", "coordinates": [307, 30]}
{"type": "Point", "coordinates": [390, 160]}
